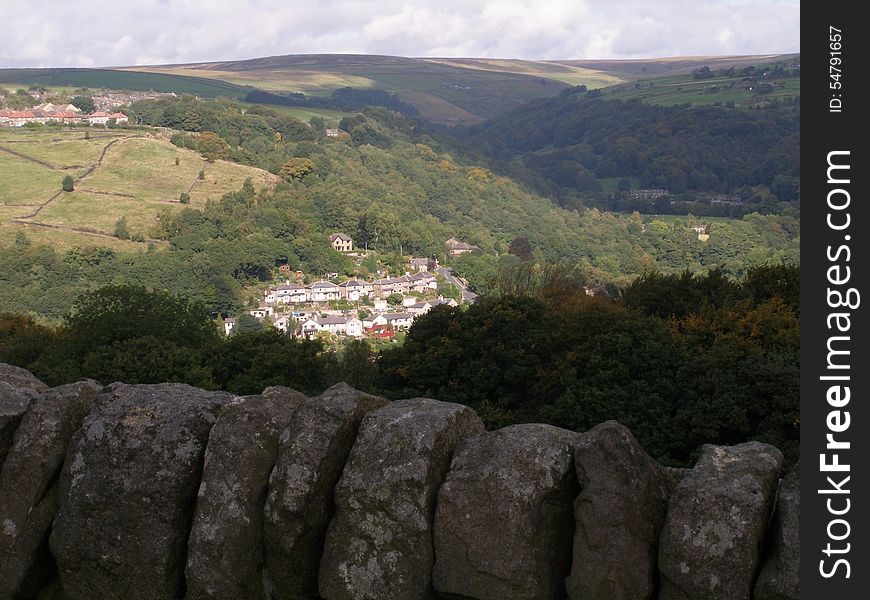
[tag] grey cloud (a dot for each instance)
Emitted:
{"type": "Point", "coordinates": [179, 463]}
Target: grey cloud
{"type": "Point", "coordinates": [175, 31]}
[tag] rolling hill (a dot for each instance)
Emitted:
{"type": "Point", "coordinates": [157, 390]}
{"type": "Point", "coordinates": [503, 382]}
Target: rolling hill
{"type": "Point", "coordinates": [123, 80]}
{"type": "Point", "coordinates": [445, 90]}
{"type": "Point", "coordinates": [118, 173]}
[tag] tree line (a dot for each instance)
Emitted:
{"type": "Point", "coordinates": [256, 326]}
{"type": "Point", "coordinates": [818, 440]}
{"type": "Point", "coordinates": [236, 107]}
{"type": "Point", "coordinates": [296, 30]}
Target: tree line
{"type": "Point", "coordinates": [682, 359]}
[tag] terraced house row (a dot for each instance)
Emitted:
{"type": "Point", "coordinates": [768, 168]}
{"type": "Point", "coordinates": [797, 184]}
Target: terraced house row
{"type": "Point", "coordinates": [50, 113]}
{"type": "Point", "coordinates": [352, 290]}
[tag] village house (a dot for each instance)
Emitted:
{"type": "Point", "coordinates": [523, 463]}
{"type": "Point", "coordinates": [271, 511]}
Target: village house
{"type": "Point", "coordinates": [422, 282]}
{"type": "Point", "coordinates": [420, 264]}
{"type": "Point", "coordinates": [456, 247]}
{"type": "Point", "coordinates": [417, 308]}
{"type": "Point", "coordinates": [648, 194]}
{"type": "Point", "coordinates": [288, 292]}
{"type": "Point", "coordinates": [341, 242]}
{"type": "Point", "coordinates": [355, 289]}
{"type": "Point", "coordinates": [374, 321]}
{"type": "Point", "coordinates": [333, 133]}
{"type": "Point", "coordinates": [310, 327]}
{"type": "Point", "coordinates": [262, 312]}
{"type": "Point", "coordinates": [399, 320]}
{"type": "Point", "coordinates": [324, 291]}
{"type": "Point", "coordinates": [63, 114]}
{"type": "Point", "coordinates": [348, 326]}
{"type": "Point", "coordinates": [282, 323]}
{"type": "Point", "coordinates": [344, 326]}
{"type": "Point", "coordinates": [396, 285]}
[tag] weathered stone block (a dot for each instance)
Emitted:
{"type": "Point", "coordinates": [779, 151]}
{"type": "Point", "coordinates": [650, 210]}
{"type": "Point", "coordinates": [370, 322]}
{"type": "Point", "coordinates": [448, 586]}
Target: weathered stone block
{"type": "Point", "coordinates": [619, 515]}
{"type": "Point", "coordinates": [128, 490]}
{"type": "Point", "coordinates": [379, 544]}
{"type": "Point", "coordinates": [780, 572]}
{"type": "Point", "coordinates": [313, 451]}
{"type": "Point", "coordinates": [503, 524]}
{"type": "Point", "coordinates": [225, 549]}
{"type": "Point", "coordinates": [28, 495]}
{"type": "Point", "coordinates": [716, 523]}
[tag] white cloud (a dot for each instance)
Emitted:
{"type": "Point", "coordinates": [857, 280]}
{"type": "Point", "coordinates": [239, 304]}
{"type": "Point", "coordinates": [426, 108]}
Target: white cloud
{"type": "Point", "coordinates": [173, 31]}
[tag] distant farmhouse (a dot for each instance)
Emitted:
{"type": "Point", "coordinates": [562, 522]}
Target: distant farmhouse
{"type": "Point", "coordinates": [456, 247]}
{"type": "Point", "coordinates": [341, 242]}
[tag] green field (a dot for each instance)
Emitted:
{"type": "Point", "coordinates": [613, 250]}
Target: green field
{"type": "Point", "coordinates": [332, 117]}
{"type": "Point", "coordinates": [136, 179]}
{"type": "Point", "coordinates": [683, 89]}
{"type": "Point", "coordinates": [123, 80]}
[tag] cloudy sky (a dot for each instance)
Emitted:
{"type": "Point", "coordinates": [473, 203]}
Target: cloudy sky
{"type": "Point", "coordinates": [89, 33]}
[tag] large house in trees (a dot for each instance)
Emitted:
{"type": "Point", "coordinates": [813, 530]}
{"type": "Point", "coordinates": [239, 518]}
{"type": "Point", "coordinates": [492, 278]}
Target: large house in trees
{"type": "Point", "coordinates": [341, 242]}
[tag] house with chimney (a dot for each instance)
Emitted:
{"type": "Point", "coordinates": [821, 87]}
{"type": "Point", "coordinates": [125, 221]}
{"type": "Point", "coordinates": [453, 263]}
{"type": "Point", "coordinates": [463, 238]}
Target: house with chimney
{"type": "Point", "coordinates": [341, 242]}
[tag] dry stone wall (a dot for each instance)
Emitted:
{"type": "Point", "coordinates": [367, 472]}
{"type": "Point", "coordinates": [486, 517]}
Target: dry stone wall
{"type": "Point", "coordinates": [168, 492]}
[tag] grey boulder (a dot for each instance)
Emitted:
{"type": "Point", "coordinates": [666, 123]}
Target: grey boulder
{"type": "Point", "coordinates": [28, 494]}
{"type": "Point", "coordinates": [379, 543]}
{"type": "Point", "coordinates": [502, 525]}
{"type": "Point", "coordinates": [716, 523]}
{"type": "Point", "coordinates": [312, 454]}
{"type": "Point", "coordinates": [128, 490]}
{"type": "Point", "coordinates": [618, 516]}
{"type": "Point", "coordinates": [225, 549]}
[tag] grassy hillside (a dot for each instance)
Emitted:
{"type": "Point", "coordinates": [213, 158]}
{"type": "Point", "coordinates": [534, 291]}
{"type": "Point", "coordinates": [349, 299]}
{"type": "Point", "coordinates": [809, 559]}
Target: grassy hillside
{"type": "Point", "coordinates": [747, 88]}
{"type": "Point", "coordinates": [119, 173]}
{"type": "Point", "coordinates": [643, 68]}
{"type": "Point", "coordinates": [123, 80]}
{"type": "Point", "coordinates": [444, 90]}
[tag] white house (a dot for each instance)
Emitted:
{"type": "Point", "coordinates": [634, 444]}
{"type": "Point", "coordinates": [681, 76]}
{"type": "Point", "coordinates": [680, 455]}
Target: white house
{"type": "Point", "coordinates": [418, 308]}
{"type": "Point", "coordinates": [376, 320]}
{"type": "Point", "coordinates": [324, 291]}
{"type": "Point", "coordinates": [310, 326]}
{"type": "Point", "coordinates": [286, 293]}
{"type": "Point", "coordinates": [350, 326]}
{"type": "Point", "coordinates": [399, 320]}
{"type": "Point", "coordinates": [341, 242]}
{"type": "Point", "coordinates": [282, 323]}
{"type": "Point", "coordinates": [100, 117]}
{"type": "Point", "coordinates": [262, 312]}
{"type": "Point", "coordinates": [422, 282]}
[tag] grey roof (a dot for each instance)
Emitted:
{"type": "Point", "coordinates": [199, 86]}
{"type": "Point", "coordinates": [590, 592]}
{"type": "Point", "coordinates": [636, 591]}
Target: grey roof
{"type": "Point", "coordinates": [397, 316]}
{"type": "Point", "coordinates": [340, 236]}
{"type": "Point", "coordinates": [334, 320]}
{"type": "Point", "coordinates": [323, 284]}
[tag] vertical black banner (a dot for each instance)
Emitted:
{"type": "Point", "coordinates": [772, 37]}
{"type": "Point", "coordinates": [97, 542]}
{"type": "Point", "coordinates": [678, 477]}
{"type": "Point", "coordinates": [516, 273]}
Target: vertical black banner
{"type": "Point", "coordinates": [835, 371]}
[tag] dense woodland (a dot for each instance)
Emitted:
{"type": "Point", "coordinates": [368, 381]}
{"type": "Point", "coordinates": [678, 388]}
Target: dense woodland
{"type": "Point", "coordinates": [569, 146]}
{"type": "Point", "coordinates": [682, 359]}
